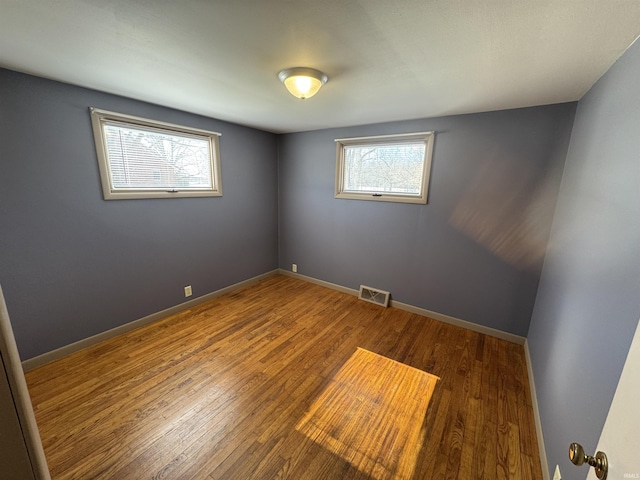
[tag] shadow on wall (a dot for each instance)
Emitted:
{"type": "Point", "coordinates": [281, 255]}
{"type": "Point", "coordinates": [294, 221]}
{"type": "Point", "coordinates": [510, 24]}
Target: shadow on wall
{"type": "Point", "coordinates": [506, 209]}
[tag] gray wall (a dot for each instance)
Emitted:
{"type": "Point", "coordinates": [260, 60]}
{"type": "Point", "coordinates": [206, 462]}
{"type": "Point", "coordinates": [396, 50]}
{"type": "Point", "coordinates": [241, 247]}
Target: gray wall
{"type": "Point", "coordinates": [73, 265]}
{"type": "Point", "coordinates": [588, 303]}
{"type": "Point", "coordinates": [473, 252]}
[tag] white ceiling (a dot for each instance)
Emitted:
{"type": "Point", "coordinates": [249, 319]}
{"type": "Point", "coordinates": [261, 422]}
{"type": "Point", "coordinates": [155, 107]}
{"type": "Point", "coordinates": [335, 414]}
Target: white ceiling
{"type": "Point", "coordinates": [386, 59]}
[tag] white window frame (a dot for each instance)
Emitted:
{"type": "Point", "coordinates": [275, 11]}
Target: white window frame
{"type": "Point", "coordinates": [421, 198]}
{"type": "Point", "coordinates": [100, 117]}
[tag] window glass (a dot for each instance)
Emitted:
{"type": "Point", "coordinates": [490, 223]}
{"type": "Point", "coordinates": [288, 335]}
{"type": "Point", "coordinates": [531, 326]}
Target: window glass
{"type": "Point", "coordinates": [141, 158]}
{"type": "Point", "coordinates": [390, 168]}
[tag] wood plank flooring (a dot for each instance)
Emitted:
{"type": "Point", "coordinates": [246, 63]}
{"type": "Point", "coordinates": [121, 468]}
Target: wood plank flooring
{"type": "Point", "coordinates": [216, 392]}
{"type": "Point", "coordinates": [370, 414]}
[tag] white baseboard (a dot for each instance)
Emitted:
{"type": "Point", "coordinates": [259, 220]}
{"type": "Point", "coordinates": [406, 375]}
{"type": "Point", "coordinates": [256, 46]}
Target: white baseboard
{"type": "Point", "coordinates": [536, 415]}
{"type": "Point", "coordinates": [493, 332]}
{"type": "Point", "coordinates": [322, 283]}
{"type": "Point", "coordinates": [510, 337]}
{"type": "Point", "coordinates": [35, 362]}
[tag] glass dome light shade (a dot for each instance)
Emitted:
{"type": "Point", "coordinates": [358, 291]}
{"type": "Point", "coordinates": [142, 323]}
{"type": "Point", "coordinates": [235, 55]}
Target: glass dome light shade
{"type": "Point", "coordinates": [302, 82]}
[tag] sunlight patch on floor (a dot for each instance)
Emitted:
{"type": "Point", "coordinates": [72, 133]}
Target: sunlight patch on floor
{"type": "Point", "coordinates": [371, 415]}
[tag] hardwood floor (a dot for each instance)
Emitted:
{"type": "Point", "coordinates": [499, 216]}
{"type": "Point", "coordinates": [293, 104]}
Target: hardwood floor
{"type": "Point", "coordinates": [370, 414]}
{"type": "Point", "coordinates": [217, 391]}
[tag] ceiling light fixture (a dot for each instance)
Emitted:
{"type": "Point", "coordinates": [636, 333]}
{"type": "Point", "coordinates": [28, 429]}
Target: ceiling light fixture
{"type": "Point", "coordinates": [302, 82]}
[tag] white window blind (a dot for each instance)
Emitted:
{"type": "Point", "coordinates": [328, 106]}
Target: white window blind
{"type": "Point", "coordinates": [141, 158]}
{"type": "Point", "coordinates": [146, 158]}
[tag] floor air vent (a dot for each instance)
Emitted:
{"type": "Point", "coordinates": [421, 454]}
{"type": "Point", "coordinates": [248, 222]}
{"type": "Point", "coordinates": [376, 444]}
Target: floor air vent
{"type": "Point", "coordinates": [373, 295]}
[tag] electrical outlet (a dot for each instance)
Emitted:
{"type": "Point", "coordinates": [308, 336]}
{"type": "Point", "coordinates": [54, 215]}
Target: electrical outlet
{"type": "Point", "coordinates": [556, 475]}
{"type": "Point", "coordinates": [187, 291]}
{"type": "Point", "coordinates": [294, 268]}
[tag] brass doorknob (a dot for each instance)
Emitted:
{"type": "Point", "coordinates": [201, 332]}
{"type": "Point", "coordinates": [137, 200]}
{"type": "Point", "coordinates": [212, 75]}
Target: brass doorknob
{"type": "Point", "coordinates": [599, 462]}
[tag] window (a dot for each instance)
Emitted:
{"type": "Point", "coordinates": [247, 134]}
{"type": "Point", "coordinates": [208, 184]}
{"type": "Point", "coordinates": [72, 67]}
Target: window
{"type": "Point", "coordinates": [389, 168]}
{"type": "Point", "coordinates": [142, 158]}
